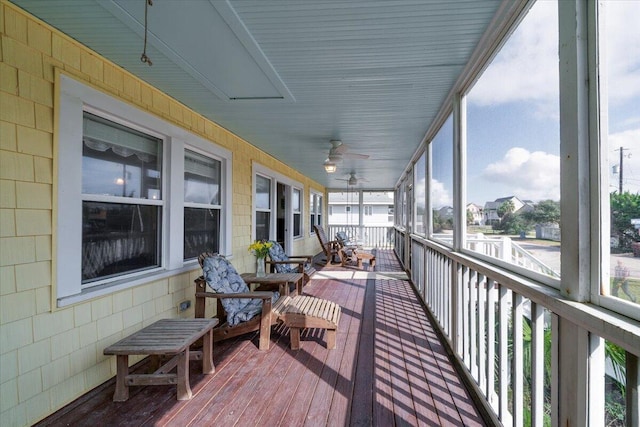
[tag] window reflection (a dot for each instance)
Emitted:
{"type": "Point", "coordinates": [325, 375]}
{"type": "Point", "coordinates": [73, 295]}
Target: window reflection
{"type": "Point", "coordinates": [119, 238]}
{"type": "Point", "coordinates": [420, 183]}
{"type": "Point", "coordinates": [263, 192]}
{"type": "Point", "coordinates": [201, 179]}
{"type": "Point", "coordinates": [620, 98]}
{"type": "Point", "coordinates": [202, 176]}
{"type": "Point", "coordinates": [441, 191]}
{"type": "Point", "coordinates": [126, 166]}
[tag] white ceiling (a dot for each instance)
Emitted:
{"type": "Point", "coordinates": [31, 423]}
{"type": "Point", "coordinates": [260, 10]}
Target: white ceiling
{"type": "Point", "coordinates": [290, 75]}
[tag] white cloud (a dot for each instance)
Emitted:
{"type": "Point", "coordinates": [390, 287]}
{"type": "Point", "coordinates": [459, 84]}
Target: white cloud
{"type": "Point", "coordinates": [526, 68]}
{"type": "Point", "coordinates": [440, 196]}
{"type": "Point", "coordinates": [622, 49]}
{"type": "Point", "coordinates": [529, 175]}
{"type": "Point", "coordinates": [420, 190]}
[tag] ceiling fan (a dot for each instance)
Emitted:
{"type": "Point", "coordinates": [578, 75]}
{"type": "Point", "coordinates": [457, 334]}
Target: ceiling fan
{"type": "Point", "coordinates": [352, 180]}
{"type": "Point", "coordinates": [339, 151]}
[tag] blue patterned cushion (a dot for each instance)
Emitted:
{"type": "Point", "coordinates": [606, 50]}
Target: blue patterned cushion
{"type": "Point", "coordinates": [223, 278]}
{"type": "Point", "coordinates": [276, 253]}
{"type": "Point", "coordinates": [344, 239]}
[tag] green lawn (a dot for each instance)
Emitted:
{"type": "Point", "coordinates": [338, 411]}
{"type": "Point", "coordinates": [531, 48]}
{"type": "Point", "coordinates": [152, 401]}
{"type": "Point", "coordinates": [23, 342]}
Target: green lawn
{"type": "Point", "coordinates": [634, 288]}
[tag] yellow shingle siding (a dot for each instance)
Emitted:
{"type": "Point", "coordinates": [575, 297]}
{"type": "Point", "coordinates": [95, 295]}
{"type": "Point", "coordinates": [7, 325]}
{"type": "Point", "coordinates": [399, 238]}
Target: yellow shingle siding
{"type": "Point", "coordinates": [50, 356]}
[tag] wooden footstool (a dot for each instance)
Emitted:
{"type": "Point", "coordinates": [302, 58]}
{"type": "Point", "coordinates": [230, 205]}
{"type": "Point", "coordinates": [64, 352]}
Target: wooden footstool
{"type": "Point", "coordinates": [308, 312]}
{"type": "Point", "coordinates": [167, 337]}
{"type": "Point", "coordinates": [366, 255]}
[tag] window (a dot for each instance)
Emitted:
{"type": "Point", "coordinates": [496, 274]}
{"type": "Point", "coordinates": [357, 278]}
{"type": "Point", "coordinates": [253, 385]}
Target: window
{"type": "Point", "coordinates": [296, 203]}
{"type": "Point", "coordinates": [441, 188]}
{"type": "Point", "coordinates": [277, 206]}
{"type": "Point", "coordinates": [619, 50]}
{"type": "Point", "coordinates": [513, 150]}
{"type": "Point", "coordinates": [390, 214]}
{"type": "Point", "coordinates": [315, 210]}
{"type": "Point", "coordinates": [121, 200]}
{"type": "Point", "coordinates": [420, 186]}
{"type": "Point", "coordinates": [263, 207]}
{"type": "Point", "coordinates": [347, 209]}
{"type": "Point", "coordinates": [368, 210]}
{"type": "Point", "coordinates": [201, 204]}
{"type": "Point", "coordinates": [146, 186]}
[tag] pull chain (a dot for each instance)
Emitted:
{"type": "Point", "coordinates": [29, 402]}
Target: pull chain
{"type": "Point", "coordinates": [144, 57]}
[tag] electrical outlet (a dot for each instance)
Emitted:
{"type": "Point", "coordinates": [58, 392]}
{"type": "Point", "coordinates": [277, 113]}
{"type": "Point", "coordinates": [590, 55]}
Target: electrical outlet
{"type": "Point", "coordinates": [184, 305]}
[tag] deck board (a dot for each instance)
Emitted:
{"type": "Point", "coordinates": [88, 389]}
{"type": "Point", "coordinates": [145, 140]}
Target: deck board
{"type": "Point", "coordinates": [388, 369]}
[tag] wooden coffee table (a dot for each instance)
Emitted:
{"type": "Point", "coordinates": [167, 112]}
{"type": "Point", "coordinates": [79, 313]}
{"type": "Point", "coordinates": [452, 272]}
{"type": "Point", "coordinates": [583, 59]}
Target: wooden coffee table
{"type": "Point", "coordinates": [167, 337]}
{"type": "Point", "coordinates": [365, 255]}
{"type": "Point", "coordinates": [348, 255]}
{"type": "Point", "coordinates": [283, 280]}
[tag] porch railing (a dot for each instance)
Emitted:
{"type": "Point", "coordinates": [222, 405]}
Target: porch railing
{"type": "Point", "coordinates": [505, 331]}
{"type": "Point", "coordinates": [368, 236]}
{"type": "Point", "coordinates": [504, 248]}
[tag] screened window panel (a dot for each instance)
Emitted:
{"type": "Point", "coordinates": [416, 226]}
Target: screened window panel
{"type": "Point", "coordinates": [118, 238]}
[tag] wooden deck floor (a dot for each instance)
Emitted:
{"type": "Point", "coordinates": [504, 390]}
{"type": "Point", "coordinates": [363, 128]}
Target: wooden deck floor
{"type": "Point", "coordinates": [388, 368]}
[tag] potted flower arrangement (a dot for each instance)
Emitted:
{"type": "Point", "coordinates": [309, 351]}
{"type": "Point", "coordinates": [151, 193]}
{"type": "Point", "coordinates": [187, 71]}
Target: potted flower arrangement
{"type": "Point", "coordinates": [260, 248]}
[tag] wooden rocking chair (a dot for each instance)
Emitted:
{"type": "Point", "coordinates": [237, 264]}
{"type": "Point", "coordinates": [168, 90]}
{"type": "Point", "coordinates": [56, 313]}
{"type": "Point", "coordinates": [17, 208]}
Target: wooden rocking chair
{"type": "Point", "coordinates": [239, 310]}
{"type": "Point", "coordinates": [329, 247]}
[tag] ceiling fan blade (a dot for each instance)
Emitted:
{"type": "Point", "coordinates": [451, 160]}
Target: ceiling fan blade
{"type": "Point", "coordinates": [356, 156]}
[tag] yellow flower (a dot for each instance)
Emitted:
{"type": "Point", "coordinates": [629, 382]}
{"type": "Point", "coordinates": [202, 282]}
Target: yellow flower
{"type": "Point", "coordinates": [260, 248]}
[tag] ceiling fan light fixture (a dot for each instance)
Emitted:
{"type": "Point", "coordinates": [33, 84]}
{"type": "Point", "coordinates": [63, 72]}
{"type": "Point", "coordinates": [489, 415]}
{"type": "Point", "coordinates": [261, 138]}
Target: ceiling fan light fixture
{"type": "Point", "coordinates": [330, 167]}
{"type": "Point", "coordinates": [334, 158]}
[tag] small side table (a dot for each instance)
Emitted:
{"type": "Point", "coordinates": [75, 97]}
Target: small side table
{"type": "Point", "coordinates": [167, 337]}
{"type": "Point", "coordinates": [283, 280]}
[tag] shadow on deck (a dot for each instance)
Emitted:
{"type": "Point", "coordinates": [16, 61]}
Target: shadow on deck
{"type": "Point", "coordinates": [389, 368]}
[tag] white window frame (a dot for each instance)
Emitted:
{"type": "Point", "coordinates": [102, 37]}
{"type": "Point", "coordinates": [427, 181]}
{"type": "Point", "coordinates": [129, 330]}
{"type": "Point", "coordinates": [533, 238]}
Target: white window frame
{"type": "Point", "coordinates": [297, 210]}
{"type": "Point", "coordinates": [316, 210]}
{"type": "Point", "coordinates": [271, 209]}
{"type": "Point", "coordinates": [276, 178]}
{"type": "Point", "coordinates": [217, 207]}
{"type": "Point", "coordinates": [422, 158]}
{"type": "Point", "coordinates": [76, 97]}
{"type": "Point", "coordinates": [598, 132]}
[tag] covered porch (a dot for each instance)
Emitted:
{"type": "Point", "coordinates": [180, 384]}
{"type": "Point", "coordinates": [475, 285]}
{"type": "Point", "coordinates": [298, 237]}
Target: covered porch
{"type": "Point", "coordinates": [252, 115]}
{"type": "Point", "coordinates": [389, 368]}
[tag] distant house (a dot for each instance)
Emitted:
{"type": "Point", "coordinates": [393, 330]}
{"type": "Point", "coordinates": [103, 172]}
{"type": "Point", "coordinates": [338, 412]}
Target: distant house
{"type": "Point", "coordinates": [475, 211]}
{"type": "Point", "coordinates": [377, 208]}
{"type": "Point", "coordinates": [445, 212]}
{"type": "Point", "coordinates": [491, 208]}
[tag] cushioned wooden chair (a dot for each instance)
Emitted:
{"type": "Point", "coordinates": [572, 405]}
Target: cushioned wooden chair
{"type": "Point", "coordinates": [329, 247]}
{"type": "Point", "coordinates": [280, 262]}
{"type": "Point", "coordinates": [343, 240]}
{"type": "Point", "coordinates": [239, 310]}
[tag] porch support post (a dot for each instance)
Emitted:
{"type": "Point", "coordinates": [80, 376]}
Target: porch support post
{"type": "Point", "coordinates": [574, 150]}
{"type": "Point", "coordinates": [459, 172]}
{"type": "Point", "coordinates": [573, 344]}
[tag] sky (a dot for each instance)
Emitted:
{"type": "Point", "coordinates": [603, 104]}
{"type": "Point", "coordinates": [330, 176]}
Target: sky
{"type": "Point", "coordinates": [513, 111]}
